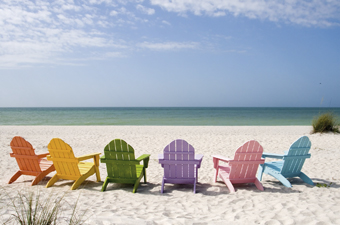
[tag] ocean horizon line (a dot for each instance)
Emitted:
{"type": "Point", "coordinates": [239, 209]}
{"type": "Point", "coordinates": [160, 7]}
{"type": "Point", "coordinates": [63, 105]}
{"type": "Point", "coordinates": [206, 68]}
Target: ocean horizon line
{"type": "Point", "coordinates": [4, 107]}
{"type": "Point", "coordinates": [163, 116]}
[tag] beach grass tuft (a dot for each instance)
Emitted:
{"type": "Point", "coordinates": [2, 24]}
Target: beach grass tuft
{"type": "Point", "coordinates": [31, 209]}
{"type": "Point", "coordinates": [322, 185]}
{"type": "Point", "coordinates": [326, 122]}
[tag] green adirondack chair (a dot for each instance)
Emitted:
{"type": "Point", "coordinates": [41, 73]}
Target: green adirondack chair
{"type": "Point", "coordinates": [121, 165]}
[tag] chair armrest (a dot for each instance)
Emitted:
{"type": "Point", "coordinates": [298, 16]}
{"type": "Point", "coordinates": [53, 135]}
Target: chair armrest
{"type": "Point", "coordinates": [43, 155]}
{"type": "Point", "coordinates": [142, 157]}
{"type": "Point", "coordinates": [102, 159]}
{"type": "Point", "coordinates": [199, 157]}
{"type": "Point", "coordinates": [95, 157]}
{"type": "Point", "coordinates": [161, 158]}
{"type": "Point", "coordinates": [89, 156]}
{"type": "Point", "coordinates": [218, 157]}
{"type": "Point", "coordinates": [272, 155]}
{"type": "Point", "coordinates": [145, 159]}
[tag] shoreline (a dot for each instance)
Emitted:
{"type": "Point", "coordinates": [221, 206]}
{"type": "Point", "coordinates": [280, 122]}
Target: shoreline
{"type": "Point", "coordinates": [213, 203]}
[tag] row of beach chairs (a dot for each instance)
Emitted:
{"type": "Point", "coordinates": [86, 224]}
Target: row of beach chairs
{"type": "Point", "coordinates": [178, 159]}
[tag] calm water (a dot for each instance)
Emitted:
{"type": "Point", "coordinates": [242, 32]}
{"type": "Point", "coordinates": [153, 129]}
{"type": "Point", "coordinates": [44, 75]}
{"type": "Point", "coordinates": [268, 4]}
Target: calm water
{"type": "Point", "coordinates": [162, 116]}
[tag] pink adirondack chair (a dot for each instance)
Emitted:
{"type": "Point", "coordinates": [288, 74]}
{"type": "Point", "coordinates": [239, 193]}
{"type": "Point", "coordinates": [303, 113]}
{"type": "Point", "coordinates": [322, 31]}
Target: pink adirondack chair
{"type": "Point", "coordinates": [180, 164]}
{"type": "Point", "coordinates": [241, 169]}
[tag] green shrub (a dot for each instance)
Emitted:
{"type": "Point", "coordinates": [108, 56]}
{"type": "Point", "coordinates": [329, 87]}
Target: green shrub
{"type": "Point", "coordinates": [325, 123]}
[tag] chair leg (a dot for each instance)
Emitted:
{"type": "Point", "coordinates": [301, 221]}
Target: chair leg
{"type": "Point", "coordinates": [195, 185]}
{"type": "Point", "coordinates": [97, 173]}
{"type": "Point", "coordinates": [283, 180]}
{"type": "Point", "coordinates": [78, 182]}
{"type": "Point", "coordinates": [162, 188]}
{"type": "Point", "coordinates": [306, 179]}
{"type": "Point", "coordinates": [215, 175]}
{"type": "Point", "coordinates": [54, 179]}
{"type": "Point", "coordinates": [215, 161]}
{"type": "Point", "coordinates": [228, 183]}
{"type": "Point", "coordinates": [81, 179]}
{"type": "Point", "coordinates": [260, 172]}
{"type": "Point", "coordinates": [135, 186]}
{"type": "Point", "coordinates": [38, 178]}
{"type": "Point", "coordinates": [230, 186]}
{"type": "Point", "coordinates": [106, 182]}
{"type": "Point", "coordinates": [15, 177]}
{"type": "Point", "coordinates": [144, 171]}
{"type": "Point", "coordinates": [42, 175]}
{"type": "Point", "coordinates": [258, 185]}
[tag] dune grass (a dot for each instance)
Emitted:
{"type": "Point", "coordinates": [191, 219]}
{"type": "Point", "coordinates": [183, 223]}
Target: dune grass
{"type": "Point", "coordinates": [32, 209]}
{"type": "Point", "coordinates": [29, 209]}
{"type": "Point", "coordinates": [326, 122]}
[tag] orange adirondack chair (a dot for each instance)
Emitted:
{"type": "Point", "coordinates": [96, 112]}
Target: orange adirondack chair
{"type": "Point", "coordinates": [29, 163]}
{"type": "Point", "coordinates": [241, 169]}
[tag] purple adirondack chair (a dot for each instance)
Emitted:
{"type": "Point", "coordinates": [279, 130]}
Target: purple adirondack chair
{"type": "Point", "coordinates": [180, 164]}
{"type": "Point", "coordinates": [241, 169]}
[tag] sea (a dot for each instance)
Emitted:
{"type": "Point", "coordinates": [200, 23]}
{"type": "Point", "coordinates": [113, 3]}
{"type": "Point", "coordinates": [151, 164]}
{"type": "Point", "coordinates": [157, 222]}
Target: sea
{"type": "Point", "coordinates": [163, 116]}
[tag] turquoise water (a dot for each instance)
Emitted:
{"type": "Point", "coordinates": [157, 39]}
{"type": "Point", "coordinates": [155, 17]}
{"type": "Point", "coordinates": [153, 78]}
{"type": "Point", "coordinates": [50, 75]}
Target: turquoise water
{"type": "Point", "coordinates": [162, 116]}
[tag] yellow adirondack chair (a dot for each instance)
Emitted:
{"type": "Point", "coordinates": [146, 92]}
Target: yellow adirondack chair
{"type": "Point", "coordinates": [68, 166]}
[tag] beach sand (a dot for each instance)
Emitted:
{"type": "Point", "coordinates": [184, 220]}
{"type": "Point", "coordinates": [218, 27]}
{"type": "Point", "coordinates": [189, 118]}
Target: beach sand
{"type": "Point", "coordinates": [212, 204]}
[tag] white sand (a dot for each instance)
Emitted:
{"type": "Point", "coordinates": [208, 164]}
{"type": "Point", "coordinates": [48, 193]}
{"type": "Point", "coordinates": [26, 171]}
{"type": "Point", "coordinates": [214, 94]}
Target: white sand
{"type": "Point", "coordinates": [212, 204]}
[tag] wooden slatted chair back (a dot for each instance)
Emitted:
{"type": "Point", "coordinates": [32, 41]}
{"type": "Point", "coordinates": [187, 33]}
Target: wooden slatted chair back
{"type": "Point", "coordinates": [24, 155]}
{"type": "Point", "coordinates": [246, 161]}
{"type": "Point", "coordinates": [295, 158]}
{"type": "Point", "coordinates": [63, 158]}
{"type": "Point", "coordinates": [120, 160]}
{"type": "Point", "coordinates": [181, 159]}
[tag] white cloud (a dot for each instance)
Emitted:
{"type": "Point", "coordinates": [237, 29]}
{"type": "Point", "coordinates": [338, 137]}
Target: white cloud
{"type": "Point", "coordinates": [34, 32]}
{"type": "Point", "coordinates": [302, 12]}
{"type": "Point", "coordinates": [71, 7]}
{"type": "Point", "coordinates": [219, 13]}
{"type": "Point", "coordinates": [113, 13]}
{"type": "Point", "coordinates": [145, 10]}
{"type": "Point", "coordinates": [97, 2]}
{"type": "Point", "coordinates": [114, 54]}
{"type": "Point", "coordinates": [166, 22]}
{"type": "Point", "coordinates": [166, 46]}
{"type": "Point", "coordinates": [43, 31]}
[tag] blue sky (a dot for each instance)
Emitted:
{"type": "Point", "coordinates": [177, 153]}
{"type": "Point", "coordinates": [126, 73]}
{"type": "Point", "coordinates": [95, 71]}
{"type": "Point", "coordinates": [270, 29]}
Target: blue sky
{"type": "Point", "coordinates": [111, 53]}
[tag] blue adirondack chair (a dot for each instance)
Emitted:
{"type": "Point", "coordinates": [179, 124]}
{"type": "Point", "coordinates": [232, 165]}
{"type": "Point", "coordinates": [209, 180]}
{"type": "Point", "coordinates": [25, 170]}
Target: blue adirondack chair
{"type": "Point", "coordinates": [180, 164]}
{"type": "Point", "coordinates": [291, 164]}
